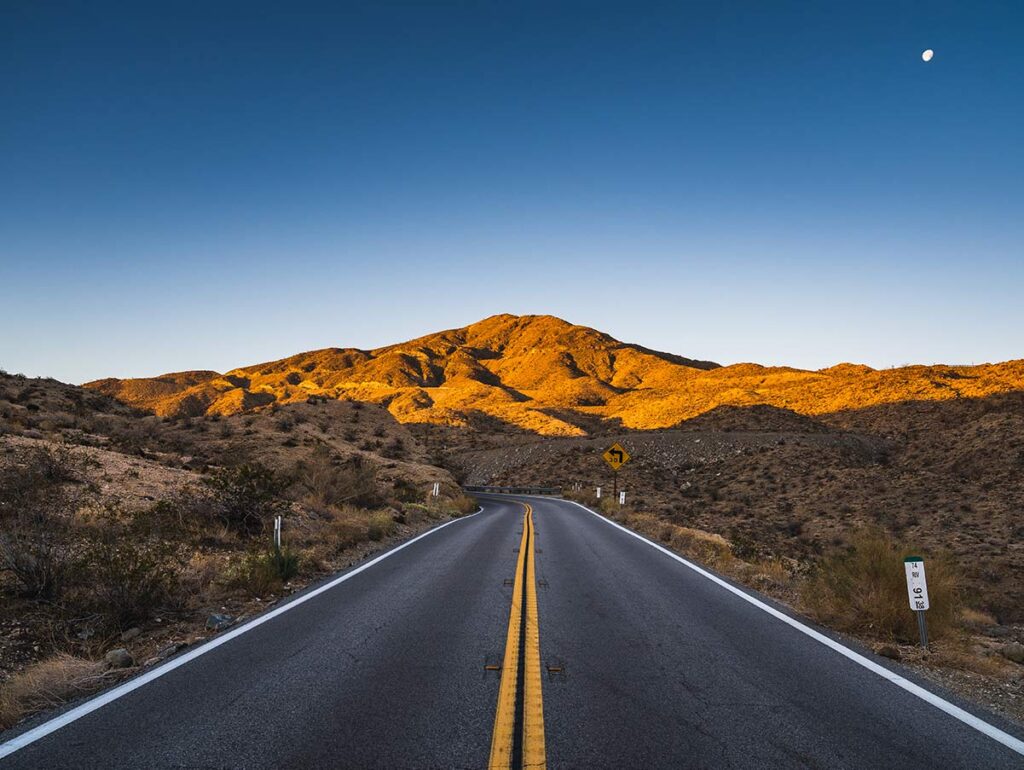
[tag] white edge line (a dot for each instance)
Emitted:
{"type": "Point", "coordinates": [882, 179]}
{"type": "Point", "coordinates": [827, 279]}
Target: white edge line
{"type": "Point", "coordinates": [993, 732]}
{"type": "Point", "coordinates": [52, 725]}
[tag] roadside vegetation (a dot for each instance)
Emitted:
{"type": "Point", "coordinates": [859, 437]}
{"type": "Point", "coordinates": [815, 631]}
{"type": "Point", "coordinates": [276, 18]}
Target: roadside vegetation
{"type": "Point", "coordinates": [92, 590]}
{"type": "Point", "coordinates": [859, 589]}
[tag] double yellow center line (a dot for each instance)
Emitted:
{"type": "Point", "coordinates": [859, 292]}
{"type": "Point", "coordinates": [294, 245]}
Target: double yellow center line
{"type": "Point", "coordinates": [518, 738]}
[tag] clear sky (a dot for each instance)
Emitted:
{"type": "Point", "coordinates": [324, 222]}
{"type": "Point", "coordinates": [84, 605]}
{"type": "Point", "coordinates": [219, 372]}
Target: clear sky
{"type": "Point", "coordinates": [209, 185]}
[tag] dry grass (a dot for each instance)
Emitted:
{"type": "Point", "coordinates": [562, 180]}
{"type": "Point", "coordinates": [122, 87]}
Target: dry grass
{"type": "Point", "coordinates": [864, 591]}
{"type": "Point", "coordinates": [976, 618]}
{"type": "Point", "coordinates": [381, 524]}
{"type": "Point", "coordinates": [47, 684]}
{"type": "Point", "coordinates": [956, 652]}
{"type": "Point", "coordinates": [706, 547]}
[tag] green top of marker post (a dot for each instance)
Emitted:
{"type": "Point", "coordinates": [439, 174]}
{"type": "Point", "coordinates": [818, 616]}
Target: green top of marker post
{"type": "Point", "coordinates": [913, 558]}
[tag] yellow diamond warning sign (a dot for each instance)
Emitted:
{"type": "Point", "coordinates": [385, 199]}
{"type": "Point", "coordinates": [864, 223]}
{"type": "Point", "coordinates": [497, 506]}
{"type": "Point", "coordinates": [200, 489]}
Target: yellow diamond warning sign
{"type": "Point", "coordinates": [616, 456]}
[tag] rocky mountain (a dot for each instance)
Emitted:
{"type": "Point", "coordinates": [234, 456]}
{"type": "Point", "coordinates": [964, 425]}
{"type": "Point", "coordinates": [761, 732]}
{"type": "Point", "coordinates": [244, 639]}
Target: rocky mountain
{"type": "Point", "coordinates": [546, 376]}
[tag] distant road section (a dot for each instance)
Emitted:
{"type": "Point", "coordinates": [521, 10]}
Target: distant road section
{"type": "Point", "coordinates": [644, 662]}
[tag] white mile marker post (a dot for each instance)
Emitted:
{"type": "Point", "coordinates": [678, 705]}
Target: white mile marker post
{"type": "Point", "coordinates": [917, 592]}
{"type": "Point", "coordinates": [622, 498]}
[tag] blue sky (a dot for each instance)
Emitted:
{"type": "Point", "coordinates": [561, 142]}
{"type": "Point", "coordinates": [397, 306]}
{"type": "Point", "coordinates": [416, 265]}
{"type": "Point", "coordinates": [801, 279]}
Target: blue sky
{"type": "Point", "coordinates": [213, 185]}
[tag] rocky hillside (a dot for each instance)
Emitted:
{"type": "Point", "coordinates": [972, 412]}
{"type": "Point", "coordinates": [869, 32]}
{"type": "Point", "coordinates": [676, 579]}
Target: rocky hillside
{"type": "Point", "coordinates": [940, 476]}
{"type": "Point", "coordinates": [125, 536]}
{"type": "Point", "coordinates": [546, 376]}
{"type": "Point", "coordinates": [281, 437]}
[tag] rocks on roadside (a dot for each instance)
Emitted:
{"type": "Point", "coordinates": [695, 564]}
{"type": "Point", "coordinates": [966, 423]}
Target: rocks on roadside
{"type": "Point", "coordinates": [1013, 651]}
{"type": "Point", "coordinates": [130, 634]}
{"type": "Point", "coordinates": [997, 632]}
{"type": "Point", "coordinates": [890, 651]}
{"type": "Point", "coordinates": [218, 621]}
{"type": "Point", "coordinates": [119, 658]}
{"type": "Point", "coordinates": [170, 649]}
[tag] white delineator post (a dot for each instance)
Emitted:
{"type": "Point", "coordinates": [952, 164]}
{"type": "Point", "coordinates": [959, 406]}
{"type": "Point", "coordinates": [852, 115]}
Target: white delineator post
{"type": "Point", "coordinates": [599, 493]}
{"type": "Point", "coordinates": [277, 532]}
{"type": "Point", "coordinates": [436, 491]}
{"type": "Point", "coordinates": [917, 592]}
{"type": "Point", "coordinates": [622, 498]}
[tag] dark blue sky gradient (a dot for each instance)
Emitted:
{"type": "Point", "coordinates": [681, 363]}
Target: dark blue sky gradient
{"type": "Point", "coordinates": [206, 187]}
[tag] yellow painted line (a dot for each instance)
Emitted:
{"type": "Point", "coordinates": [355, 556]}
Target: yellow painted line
{"type": "Point", "coordinates": [533, 698]}
{"type": "Point", "coordinates": [505, 716]}
{"type": "Point", "coordinates": [524, 606]}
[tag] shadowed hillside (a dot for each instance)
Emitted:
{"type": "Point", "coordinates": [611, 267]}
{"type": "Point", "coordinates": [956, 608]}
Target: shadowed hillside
{"type": "Point", "coordinates": [946, 476]}
{"type": "Point", "coordinates": [547, 376]}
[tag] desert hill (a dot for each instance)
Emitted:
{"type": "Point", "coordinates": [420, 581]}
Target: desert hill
{"type": "Point", "coordinates": [944, 476]}
{"type": "Point", "coordinates": [544, 375]}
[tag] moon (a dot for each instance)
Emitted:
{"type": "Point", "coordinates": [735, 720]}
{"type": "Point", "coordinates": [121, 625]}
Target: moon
{"type": "Point", "coordinates": [927, 55]}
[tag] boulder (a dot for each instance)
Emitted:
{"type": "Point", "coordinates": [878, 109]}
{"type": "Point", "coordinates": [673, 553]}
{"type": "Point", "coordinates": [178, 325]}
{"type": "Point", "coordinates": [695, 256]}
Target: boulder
{"type": "Point", "coordinates": [1013, 651]}
{"type": "Point", "coordinates": [890, 651]}
{"type": "Point", "coordinates": [170, 649]}
{"type": "Point", "coordinates": [119, 658]}
{"type": "Point", "coordinates": [130, 634]}
{"type": "Point", "coordinates": [218, 622]}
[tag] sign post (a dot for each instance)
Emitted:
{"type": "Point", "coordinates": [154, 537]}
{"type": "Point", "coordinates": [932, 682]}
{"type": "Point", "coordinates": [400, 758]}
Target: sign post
{"type": "Point", "coordinates": [917, 592]}
{"type": "Point", "coordinates": [616, 456]}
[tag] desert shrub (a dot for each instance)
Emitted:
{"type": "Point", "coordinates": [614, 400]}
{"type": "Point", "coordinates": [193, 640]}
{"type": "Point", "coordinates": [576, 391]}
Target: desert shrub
{"type": "Point", "coordinates": [36, 506]}
{"type": "Point", "coordinates": [394, 449]}
{"type": "Point", "coordinates": [136, 436]}
{"type": "Point", "coordinates": [125, 570]}
{"type": "Point", "coordinates": [263, 571]}
{"type": "Point", "coordinates": [199, 574]}
{"type": "Point", "coordinates": [323, 482]}
{"type": "Point", "coordinates": [705, 547]}
{"type": "Point", "coordinates": [35, 548]}
{"type": "Point", "coordinates": [245, 499]}
{"type": "Point", "coordinates": [47, 684]}
{"type": "Point", "coordinates": [405, 491]}
{"type": "Point", "coordinates": [465, 504]}
{"type": "Point", "coordinates": [343, 532]}
{"type": "Point", "coordinates": [864, 590]}
{"type": "Point", "coordinates": [381, 524]}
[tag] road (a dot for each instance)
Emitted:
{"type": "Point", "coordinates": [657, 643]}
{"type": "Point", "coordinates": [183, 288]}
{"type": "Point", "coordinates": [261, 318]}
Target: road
{"type": "Point", "coordinates": [613, 654]}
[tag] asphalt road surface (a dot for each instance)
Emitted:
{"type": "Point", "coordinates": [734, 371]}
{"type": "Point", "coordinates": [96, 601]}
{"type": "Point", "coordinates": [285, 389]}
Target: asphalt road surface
{"type": "Point", "coordinates": [645, 663]}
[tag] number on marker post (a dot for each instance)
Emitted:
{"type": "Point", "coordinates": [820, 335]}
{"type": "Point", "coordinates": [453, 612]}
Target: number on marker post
{"type": "Point", "coordinates": [917, 585]}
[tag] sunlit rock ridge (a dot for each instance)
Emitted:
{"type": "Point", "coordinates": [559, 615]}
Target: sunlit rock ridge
{"type": "Point", "coordinates": [547, 376]}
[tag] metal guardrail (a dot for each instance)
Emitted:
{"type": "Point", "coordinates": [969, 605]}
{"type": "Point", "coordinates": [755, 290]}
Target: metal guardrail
{"type": "Point", "coordinates": [521, 490]}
